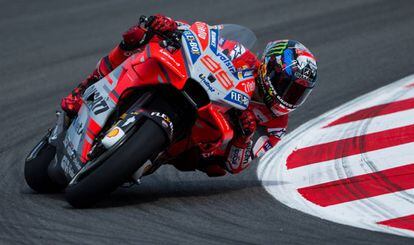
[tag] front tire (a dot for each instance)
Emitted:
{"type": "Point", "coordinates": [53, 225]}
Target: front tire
{"type": "Point", "coordinates": [36, 171]}
{"type": "Point", "coordinates": [147, 141]}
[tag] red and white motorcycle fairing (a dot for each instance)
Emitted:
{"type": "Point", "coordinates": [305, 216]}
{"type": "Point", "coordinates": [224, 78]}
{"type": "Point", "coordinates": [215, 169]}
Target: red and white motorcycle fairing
{"type": "Point", "coordinates": [201, 59]}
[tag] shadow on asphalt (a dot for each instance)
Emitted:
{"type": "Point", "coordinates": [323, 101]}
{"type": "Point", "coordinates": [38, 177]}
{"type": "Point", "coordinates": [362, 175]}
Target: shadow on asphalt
{"type": "Point", "coordinates": [183, 189]}
{"type": "Point", "coordinates": [152, 191]}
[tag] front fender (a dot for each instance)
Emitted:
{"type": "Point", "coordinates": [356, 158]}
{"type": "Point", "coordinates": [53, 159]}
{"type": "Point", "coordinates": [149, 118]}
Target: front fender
{"type": "Point", "coordinates": [132, 120]}
{"type": "Point", "coordinates": [134, 117]}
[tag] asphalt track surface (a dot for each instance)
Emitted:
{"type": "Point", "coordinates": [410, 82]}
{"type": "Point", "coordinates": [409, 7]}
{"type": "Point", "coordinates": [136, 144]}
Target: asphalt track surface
{"type": "Point", "coordinates": [48, 46]}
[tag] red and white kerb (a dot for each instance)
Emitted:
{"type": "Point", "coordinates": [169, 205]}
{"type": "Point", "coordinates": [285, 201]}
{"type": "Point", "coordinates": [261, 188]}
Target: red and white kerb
{"type": "Point", "coordinates": [353, 165]}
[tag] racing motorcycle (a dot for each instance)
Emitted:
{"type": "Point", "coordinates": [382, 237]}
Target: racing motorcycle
{"type": "Point", "coordinates": [176, 94]}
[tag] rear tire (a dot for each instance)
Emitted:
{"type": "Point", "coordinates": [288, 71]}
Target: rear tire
{"type": "Point", "coordinates": [36, 171]}
{"type": "Point", "coordinates": [147, 141]}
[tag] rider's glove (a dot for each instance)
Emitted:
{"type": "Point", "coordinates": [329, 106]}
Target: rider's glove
{"type": "Point", "coordinates": [162, 23]}
{"type": "Point", "coordinates": [135, 37]}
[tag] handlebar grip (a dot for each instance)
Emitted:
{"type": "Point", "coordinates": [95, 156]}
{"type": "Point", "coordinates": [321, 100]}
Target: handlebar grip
{"type": "Point", "coordinates": [143, 20]}
{"type": "Point", "coordinates": [173, 40]}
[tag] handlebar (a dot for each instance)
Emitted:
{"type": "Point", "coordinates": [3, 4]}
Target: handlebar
{"type": "Point", "coordinates": [172, 39]}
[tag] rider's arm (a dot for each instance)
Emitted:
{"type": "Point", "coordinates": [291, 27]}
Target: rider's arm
{"type": "Point", "coordinates": [132, 41]}
{"type": "Point", "coordinates": [238, 156]}
{"type": "Point", "coordinates": [269, 135]}
{"type": "Point", "coordinates": [238, 153]}
{"type": "Point", "coordinates": [242, 150]}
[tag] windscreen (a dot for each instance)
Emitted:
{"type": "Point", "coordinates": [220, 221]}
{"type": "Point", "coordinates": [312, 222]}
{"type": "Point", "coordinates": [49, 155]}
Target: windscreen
{"type": "Point", "coordinates": [240, 34]}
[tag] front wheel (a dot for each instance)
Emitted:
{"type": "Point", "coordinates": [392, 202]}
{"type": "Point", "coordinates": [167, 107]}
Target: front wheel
{"type": "Point", "coordinates": [36, 169]}
{"type": "Point", "coordinates": [149, 139]}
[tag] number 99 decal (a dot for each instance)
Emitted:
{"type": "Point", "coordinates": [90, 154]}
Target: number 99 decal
{"type": "Point", "coordinates": [215, 68]}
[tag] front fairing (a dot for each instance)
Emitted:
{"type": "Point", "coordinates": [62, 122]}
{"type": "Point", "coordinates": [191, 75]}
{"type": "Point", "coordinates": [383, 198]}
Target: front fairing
{"type": "Point", "coordinates": [75, 144]}
{"type": "Point", "coordinates": [213, 70]}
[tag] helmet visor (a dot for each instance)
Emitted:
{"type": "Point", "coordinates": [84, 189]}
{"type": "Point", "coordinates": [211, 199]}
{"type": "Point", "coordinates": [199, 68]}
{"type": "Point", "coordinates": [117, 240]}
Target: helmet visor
{"type": "Point", "coordinates": [291, 93]}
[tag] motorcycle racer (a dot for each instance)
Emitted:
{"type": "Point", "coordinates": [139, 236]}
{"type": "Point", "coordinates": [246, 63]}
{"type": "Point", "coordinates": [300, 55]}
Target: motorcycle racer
{"type": "Point", "coordinates": [284, 78]}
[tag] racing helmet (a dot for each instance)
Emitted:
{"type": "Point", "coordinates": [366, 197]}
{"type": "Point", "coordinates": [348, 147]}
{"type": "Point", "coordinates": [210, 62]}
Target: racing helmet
{"type": "Point", "coordinates": [287, 75]}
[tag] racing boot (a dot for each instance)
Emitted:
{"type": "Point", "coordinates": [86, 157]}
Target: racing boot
{"type": "Point", "coordinates": [73, 101]}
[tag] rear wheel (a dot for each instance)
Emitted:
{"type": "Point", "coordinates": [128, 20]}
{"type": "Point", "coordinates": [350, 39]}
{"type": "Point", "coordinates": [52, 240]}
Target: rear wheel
{"type": "Point", "coordinates": [36, 170]}
{"type": "Point", "coordinates": [149, 139]}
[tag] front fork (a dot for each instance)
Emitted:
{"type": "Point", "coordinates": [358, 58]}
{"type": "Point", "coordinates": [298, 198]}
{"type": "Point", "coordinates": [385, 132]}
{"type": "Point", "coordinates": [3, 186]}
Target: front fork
{"type": "Point", "coordinates": [50, 137]}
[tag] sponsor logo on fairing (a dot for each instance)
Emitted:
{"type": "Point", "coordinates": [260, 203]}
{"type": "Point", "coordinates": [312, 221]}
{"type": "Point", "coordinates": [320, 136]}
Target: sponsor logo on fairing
{"type": "Point", "coordinates": [69, 162]}
{"type": "Point", "coordinates": [208, 85]}
{"type": "Point", "coordinates": [113, 133]}
{"type": "Point", "coordinates": [245, 74]}
{"type": "Point", "coordinates": [78, 126]}
{"type": "Point", "coordinates": [237, 98]}
{"type": "Point", "coordinates": [112, 137]}
{"type": "Point", "coordinates": [128, 121]}
{"type": "Point", "coordinates": [69, 147]}
{"type": "Point", "coordinates": [202, 30]}
{"type": "Point", "coordinates": [237, 51]}
{"type": "Point", "coordinates": [98, 105]}
{"type": "Point", "coordinates": [67, 167]}
{"type": "Point", "coordinates": [213, 40]}
{"type": "Point", "coordinates": [192, 45]}
{"type": "Point", "coordinates": [247, 86]}
{"type": "Point", "coordinates": [166, 54]}
{"type": "Point", "coordinates": [227, 62]}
